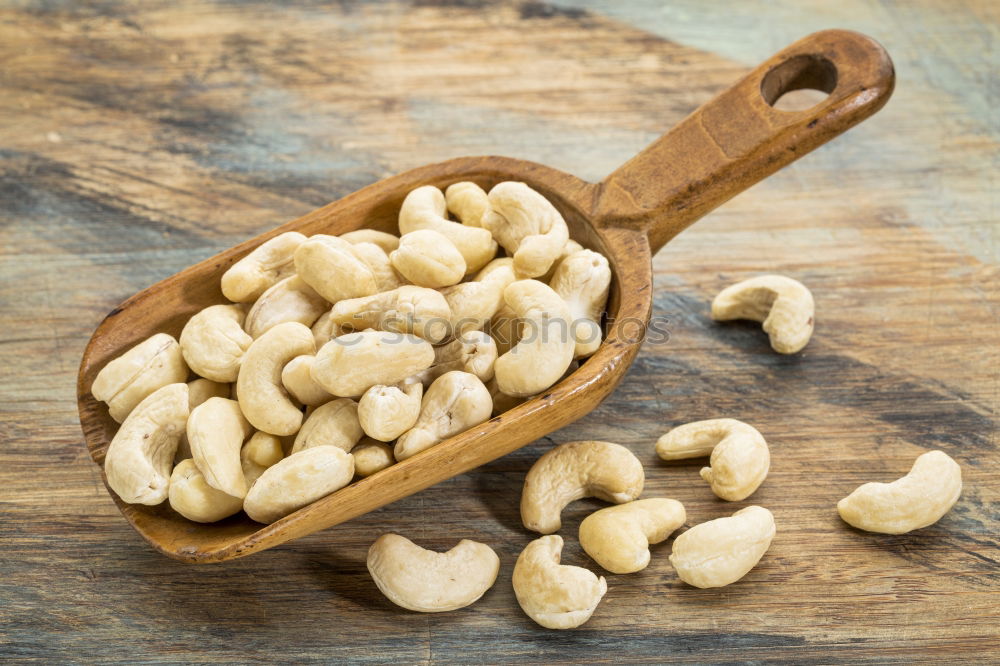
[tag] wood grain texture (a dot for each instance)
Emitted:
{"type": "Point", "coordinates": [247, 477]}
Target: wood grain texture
{"type": "Point", "coordinates": [139, 139]}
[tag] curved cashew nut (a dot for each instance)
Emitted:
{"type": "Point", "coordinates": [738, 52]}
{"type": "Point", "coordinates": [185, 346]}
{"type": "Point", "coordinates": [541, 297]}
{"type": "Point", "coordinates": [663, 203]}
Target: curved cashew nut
{"type": "Point", "coordinates": [261, 451]}
{"type": "Point", "coordinates": [575, 470]}
{"type": "Point", "coordinates": [785, 306]}
{"type": "Point", "coordinates": [618, 537]}
{"type": "Point", "coordinates": [582, 280]}
{"type": "Point", "coordinates": [199, 390]}
{"type": "Point", "coordinates": [428, 581]}
{"type": "Point", "coordinates": [264, 267]}
{"type": "Point", "coordinates": [289, 300]}
{"type": "Point", "coordinates": [298, 480]}
{"type": "Point", "coordinates": [192, 497]}
{"type": "Point", "coordinates": [469, 203]}
{"type": "Point", "coordinates": [455, 402]}
{"type": "Point", "coordinates": [474, 303]}
{"type": "Point", "coordinates": [556, 596]}
{"type": "Point", "coordinates": [139, 458]}
{"type": "Point", "coordinates": [371, 456]}
{"type": "Point", "coordinates": [528, 227]}
{"type": "Point", "coordinates": [545, 348]}
{"type": "Point", "coordinates": [213, 342]}
{"type": "Point", "coordinates": [424, 208]}
{"type": "Point", "coordinates": [129, 379]}
{"type": "Point", "coordinates": [331, 266]}
{"type": "Point", "coordinates": [297, 379]}
{"type": "Point", "coordinates": [331, 424]}
{"type": "Point", "coordinates": [377, 259]}
{"type": "Point", "coordinates": [215, 431]}
{"type": "Point", "coordinates": [351, 364]}
{"type": "Point", "coordinates": [386, 412]}
{"type": "Point", "coordinates": [428, 259]}
{"type": "Point", "coordinates": [388, 242]}
{"type": "Point", "coordinates": [473, 352]}
{"type": "Point", "coordinates": [723, 550]}
{"type": "Point", "coordinates": [921, 498]}
{"type": "Point", "coordinates": [740, 457]}
{"type": "Point", "coordinates": [262, 397]}
{"type": "Point", "coordinates": [407, 309]}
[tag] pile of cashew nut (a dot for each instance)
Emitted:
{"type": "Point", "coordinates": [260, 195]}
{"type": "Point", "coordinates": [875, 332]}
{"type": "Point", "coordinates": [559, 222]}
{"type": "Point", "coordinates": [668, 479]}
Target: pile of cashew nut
{"type": "Point", "coordinates": [334, 357]}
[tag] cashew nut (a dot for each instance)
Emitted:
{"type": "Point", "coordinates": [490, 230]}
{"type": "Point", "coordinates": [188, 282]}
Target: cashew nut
{"type": "Point", "coordinates": [298, 480]}
{"type": "Point", "coordinates": [618, 537]}
{"type": "Point", "coordinates": [262, 397]}
{"type": "Point", "coordinates": [351, 364]}
{"type": "Point", "coordinates": [332, 267]}
{"type": "Point", "coordinates": [199, 390]}
{"type": "Point", "coordinates": [505, 329]}
{"type": "Point", "coordinates": [213, 342]}
{"type": "Point", "coordinates": [428, 259]}
{"type": "Point", "coordinates": [215, 431]}
{"type": "Point", "coordinates": [582, 280]}
{"type": "Point", "coordinates": [261, 451]}
{"type": "Point", "coordinates": [297, 379]}
{"type": "Point", "coordinates": [192, 497]}
{"type": "Point", "coordinates": [545, 348]}
{"type": "Point", "coordinates": [455, 402]}
{"type": "Point", "coordinates": [407, 309]}
{"type": "Point", "coordinates": [569, 248]}
{"type": "Point", "coordinates": [386, 412]}
{"type": "Point", "coordinates": [331, 424]}
{"type": "Point", "coordinates": [325, 329]}
{"type": "Point", "coordinates": [468, 202]}
{"type": "Point", "coordinates": [921, 498]}
{"type": "Point", "coordinates": [785, 306]}
{"type": "Point", "coordinates": [473, 352]}
{"type": "Point", "coordinates": [126, 381]}
{"type": "Point", "coordinates": [138, 461]}
{"type": "Point", "coordinates": [424, 209]}
{"type": "Point", "coordinates": [723, 550]}
{"type": "Point", "coordinates": [474, 303]}
{"type": "Point", "coordinates": [267, 265]}
{"type": "Point", "coordinates": [528, 227]}
{"type": "Point", "coordinates": [556, 596]}
{"type": "Point", "coordinates": [289, 300]}
{"type": "Point", "coordinates": [377, 259]}
{"type": "Point", "coordinates": [388, 242]}
{"type": "Point", "coordinates": [428, 581]}
{"type": "Point", "coordinates": [740, 457]}
{"type": "Point", "coordinates": [371, 456]}
{"type": "Point", "coordinates": [575, 470]}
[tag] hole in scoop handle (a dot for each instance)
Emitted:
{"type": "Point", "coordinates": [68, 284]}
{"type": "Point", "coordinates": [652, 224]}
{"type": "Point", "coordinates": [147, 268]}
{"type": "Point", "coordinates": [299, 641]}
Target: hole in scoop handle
{"type": "Point", "coordinates": [738, 138]}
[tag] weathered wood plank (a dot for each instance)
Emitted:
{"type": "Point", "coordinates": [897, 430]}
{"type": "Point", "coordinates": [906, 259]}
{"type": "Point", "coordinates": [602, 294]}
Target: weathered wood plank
{"type": "Point", "coordinates": [139, 138]}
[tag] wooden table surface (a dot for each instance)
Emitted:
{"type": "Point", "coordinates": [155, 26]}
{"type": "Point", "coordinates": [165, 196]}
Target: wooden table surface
{"type": "Point", "coordinates": [138, 138]}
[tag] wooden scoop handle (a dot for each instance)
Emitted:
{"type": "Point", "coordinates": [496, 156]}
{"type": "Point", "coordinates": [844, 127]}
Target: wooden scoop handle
{"type": "Point", "coordinates": [738, 138]}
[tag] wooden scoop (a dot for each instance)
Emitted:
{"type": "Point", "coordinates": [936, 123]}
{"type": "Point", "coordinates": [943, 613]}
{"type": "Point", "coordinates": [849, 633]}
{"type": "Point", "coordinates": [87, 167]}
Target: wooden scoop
{"type": "Point", "coordinates": [722, 148]}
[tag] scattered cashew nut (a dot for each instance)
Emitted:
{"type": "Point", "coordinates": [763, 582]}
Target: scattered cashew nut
{"type": "Point", "coordinates": [545, 348]}
{"type": "Point", "coordinates": [351, 364]}
{"type": "Point", "coordinates": [428, 581]}
{"type": "Point", "coordinates": [333, 423]}
{"type": "Point", "coordinates": [455, 402]}
{"type": "Point", "coordinates": [216, 430]}
{"type": "Point", "coordinates": [261, 451]}
{"type": "Point", "coordinates": [298, 480]}
{"type": "Point", "coordinates": [469, 203]}
{"type": "Point", "coordinates": [424, 209]}
{"type": "Point", "coordinates": [264, 267]}
{"type": "Point", "coordinates": [921, 498]}
{"type": "Point", "coordinates": [152, 364]}
{"type": "Point", "coordinates": [556, 596]}
{"type": "Point", "coordinates": [407, 309]}
{"type": "Point", "coordinates": [192, 497]}
{"type": "Point", "coordinates": [371, 456]}
{"type": "Point", "coordinates": [575, 470]}
{"type": "Point", "coordinates": [330, 265]}
{"type": "Point", "coordinates": [740, 457]}
{"type": "Point", "coordinates": [618, 537]}
{"type": "Point", "coordinates": [473, 352]}
{"type": "Point", "coordinates": [472, 304]}
{"type": "Point", "coordinates": [262, 397]}
{"type": "Point", "coordinates": [428, 259]}
{"type": "Point", "coordinates": [139, 458]}
{"type": "Point", "coordinates": [785, 306]}
{"type": "Point", "coordinates": [388, 242]}
{"type": "Point", "coordinates": [289, 300]}
{"type": "Point", "coordinates": [386, 412]}
{"type": "Point", "coordinates": [528, 227]}
{"type": "Point", "coordinates": [297, 379]}
{"type": "Point", "coordinates": [213, 342]}
{"type": "Point", "coordinates": [722, 551]}
{"type": "Point", "coordinates": [582, 280]}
